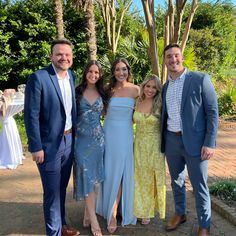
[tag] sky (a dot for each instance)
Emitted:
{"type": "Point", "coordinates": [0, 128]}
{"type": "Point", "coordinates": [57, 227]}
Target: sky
{"type": "Point", "coordinates": [138, 3]}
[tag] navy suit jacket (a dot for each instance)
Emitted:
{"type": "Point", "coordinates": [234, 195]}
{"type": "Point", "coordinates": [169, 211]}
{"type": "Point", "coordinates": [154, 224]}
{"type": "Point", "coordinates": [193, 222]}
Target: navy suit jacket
{"type": "Point", "coordinates": [199, 113]}
{"type": "Point", "coordinates": [44, 112]}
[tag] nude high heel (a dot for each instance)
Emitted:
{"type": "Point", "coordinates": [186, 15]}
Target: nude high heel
{"type": "Point", "coordinates": [95, 228]}
{"type": "Point", "coordinates": [112, 227]}
{"type": "Point", "coordinates": [145, 221]}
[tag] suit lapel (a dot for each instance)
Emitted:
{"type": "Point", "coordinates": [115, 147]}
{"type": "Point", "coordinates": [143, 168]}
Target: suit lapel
{"type": "Point", "coordinates": [72, 88]}
{"type": "Point", "coordinates": [54, 80]}
{"type": "Point", "coordinates": [187, 82]}
{"type": "Point", "coordinates": [72, 79]}
{"type": "Point", "coordinates": [164, 96]}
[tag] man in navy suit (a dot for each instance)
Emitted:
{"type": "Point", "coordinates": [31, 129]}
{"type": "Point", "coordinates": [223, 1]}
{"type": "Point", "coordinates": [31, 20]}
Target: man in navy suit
{"type": "Point", "coordinates": [50, 118]}
{"type": "Point", "coordinates": [189, 128]}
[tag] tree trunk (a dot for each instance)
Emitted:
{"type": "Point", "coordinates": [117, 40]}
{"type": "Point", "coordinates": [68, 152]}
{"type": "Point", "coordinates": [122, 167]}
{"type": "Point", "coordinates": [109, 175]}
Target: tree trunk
{"type": "Point", "coordinates": [58, 12]}
{"type": "Point", "coordinates": [91, 31]}
{"type": "Point", "coordinates": [113, 26]}
{"type": "Point", "coordinates": [194, 7]}
{"type": "Point", "coordinates": [180, 5]}
{"type": "Point", "coordinates": [148, 7]}
{"type": "Point", "coordinates": [171, 13]}
{"type": "Point", "coordinates": [111, 22]}
{"type": "Point", "coordinates": [174, 36]}
{"type": "Point", "coordinates": [166, 42]}
{"type": "Point", "coordinates": [88, 8]}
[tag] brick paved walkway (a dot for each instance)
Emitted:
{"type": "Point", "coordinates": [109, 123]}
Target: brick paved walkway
{"type": "Point", "coordinates": [21, 200]}
{"type": "Point", "coordinates": [223, 164]}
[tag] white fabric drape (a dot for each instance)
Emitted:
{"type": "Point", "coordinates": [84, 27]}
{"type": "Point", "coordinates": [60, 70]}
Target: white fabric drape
{"type": "Point", "coordinates": [11, 153]}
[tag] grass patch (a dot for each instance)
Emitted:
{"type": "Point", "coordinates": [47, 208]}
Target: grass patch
{"type": "Point", "coordinates": [229, 73]}
{"type": "Point", "coordinates": [21, 128]}
{"type": "Point", "coordinates": [225, 190]}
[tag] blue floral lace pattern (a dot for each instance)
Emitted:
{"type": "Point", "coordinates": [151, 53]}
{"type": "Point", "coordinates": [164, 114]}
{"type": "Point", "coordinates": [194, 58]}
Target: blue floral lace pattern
{"type": "Point", "coordinates": [89, 148]}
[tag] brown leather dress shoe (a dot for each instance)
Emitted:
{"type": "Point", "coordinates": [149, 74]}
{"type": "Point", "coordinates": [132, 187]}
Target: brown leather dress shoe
{"type": "Point", "coordinates": [203, 232]}
{"type": "Point", "coordinates": [175, 221]}
{"type": "Point", "coordinates": [69, 231]}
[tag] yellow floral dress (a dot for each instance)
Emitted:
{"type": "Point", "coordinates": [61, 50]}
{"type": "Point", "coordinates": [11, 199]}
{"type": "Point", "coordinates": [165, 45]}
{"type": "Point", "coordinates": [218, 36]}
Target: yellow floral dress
{"type": "Point", "coordinates": [149, 162]}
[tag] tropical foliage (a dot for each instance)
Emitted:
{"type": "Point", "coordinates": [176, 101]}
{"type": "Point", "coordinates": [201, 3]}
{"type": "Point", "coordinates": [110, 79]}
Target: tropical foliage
{"type": "Point", "coordinates": [28, 26]}
{"type": "Point", "coordinates": [213, 37]}
{"type": "Point", "coordinates": [227, 101]}
{"type": "Point", "coordinates": [26, 30]}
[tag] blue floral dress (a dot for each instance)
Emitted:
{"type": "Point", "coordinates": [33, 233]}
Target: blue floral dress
{"type": "Point", "coordinates": [89, 148]}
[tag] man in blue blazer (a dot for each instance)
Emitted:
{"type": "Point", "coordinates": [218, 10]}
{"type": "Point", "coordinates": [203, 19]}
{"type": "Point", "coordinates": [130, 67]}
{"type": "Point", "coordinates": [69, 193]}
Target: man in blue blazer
{"type": "Point", "coordinates": [50, 119]}
{"type": "Point", "coordinates": [189, 128]}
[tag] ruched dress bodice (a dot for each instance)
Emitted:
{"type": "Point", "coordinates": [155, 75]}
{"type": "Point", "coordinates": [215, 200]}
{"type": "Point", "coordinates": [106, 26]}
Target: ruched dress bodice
{"type": "Point", "coordinates": [120, 109]}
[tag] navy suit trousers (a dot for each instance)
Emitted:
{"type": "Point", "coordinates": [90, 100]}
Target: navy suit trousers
{"type": "Point", "coordinates": [55, 177]}
{"type": "Point", "coordinates": [177, 158]}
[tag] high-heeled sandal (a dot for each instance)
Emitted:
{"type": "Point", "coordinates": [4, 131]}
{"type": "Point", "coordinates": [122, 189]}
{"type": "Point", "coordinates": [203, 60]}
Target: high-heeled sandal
{"type": "Point", "coordinates": [145, 221]}
{"type": "Point", "coordinates": [96, 232]}
{"type": "Point", "coordinates": [95, 228]}
{"type": "Point", "coordinates": [112, 227]}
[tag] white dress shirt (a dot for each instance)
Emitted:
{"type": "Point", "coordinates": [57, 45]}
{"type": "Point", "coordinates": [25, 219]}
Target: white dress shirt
{"type": "Point", "coordinates": [65, 87]}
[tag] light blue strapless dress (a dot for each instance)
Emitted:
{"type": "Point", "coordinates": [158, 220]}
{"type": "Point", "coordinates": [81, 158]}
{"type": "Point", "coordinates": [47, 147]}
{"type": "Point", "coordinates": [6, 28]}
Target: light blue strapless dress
{"type": "Point", "coordinates": [118, 161]}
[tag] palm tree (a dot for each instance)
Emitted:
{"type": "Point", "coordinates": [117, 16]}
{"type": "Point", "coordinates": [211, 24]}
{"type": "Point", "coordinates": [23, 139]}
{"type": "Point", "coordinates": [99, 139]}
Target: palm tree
{"type": "Point", "coordinates": [58, 12]}
{"type": "Point", "coordinates": [88, 8]}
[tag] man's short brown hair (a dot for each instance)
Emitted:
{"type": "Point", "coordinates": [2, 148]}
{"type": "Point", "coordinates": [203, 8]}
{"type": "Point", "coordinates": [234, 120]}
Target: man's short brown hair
{"type": "Point", "coordinates": [172, 45]}
{"type": "Point", "coordinates": [61, 41]}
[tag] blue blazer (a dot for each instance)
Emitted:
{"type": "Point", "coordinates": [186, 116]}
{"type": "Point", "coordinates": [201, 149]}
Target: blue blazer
{"type": "Point", "coordinates": [44, 112]}
{"type": "Point", "coordinates": [199, 113]}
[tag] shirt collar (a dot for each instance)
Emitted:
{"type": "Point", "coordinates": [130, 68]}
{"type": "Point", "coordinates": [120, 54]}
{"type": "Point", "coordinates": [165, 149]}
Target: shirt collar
{"type": "Point", "coordinates": [60, 78]}
{"type": "Point", "coordinates": [181, 77]}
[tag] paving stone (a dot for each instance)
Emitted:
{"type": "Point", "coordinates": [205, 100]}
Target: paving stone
{"type": "Point", "coordinates": [21, 200]}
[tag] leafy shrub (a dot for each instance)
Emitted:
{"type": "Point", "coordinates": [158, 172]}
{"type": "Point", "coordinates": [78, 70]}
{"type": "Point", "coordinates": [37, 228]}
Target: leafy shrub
{"type": "Point", "coordinates": [21, 128]}
{"type": "Point", "coordinates": [224, 189]}
{"type": "Point", "coordinates": [227, 102]}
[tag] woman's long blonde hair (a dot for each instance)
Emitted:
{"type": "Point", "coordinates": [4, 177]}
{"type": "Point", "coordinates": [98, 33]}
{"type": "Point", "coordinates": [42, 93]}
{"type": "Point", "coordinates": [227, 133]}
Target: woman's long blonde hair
{"type": "Point", "coordinates": [157, 101]}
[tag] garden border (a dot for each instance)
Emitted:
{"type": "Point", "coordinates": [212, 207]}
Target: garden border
{"type": "Point", "coordinates": [227, 125]}
{"type": "Point", "coordinates": [224, 210]}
